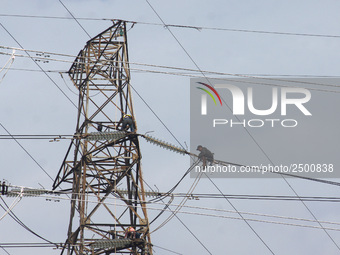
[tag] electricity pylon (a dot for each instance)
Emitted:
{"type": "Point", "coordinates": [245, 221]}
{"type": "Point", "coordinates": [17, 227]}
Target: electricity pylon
{"type": "Point", "coordinates": [100, 157]}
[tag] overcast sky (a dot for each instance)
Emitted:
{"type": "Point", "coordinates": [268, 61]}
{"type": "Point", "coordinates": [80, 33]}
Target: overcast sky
{"type": "Point", "coordinates": [30, 103]}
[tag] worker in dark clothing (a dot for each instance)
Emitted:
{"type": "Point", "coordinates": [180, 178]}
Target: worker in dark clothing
{"type": "Point", "coordinates": [100, 127]}
{"type": "Point", "coordinates": [138, 234]}
{"type": "Point", "coordinates": [4, 188]}
{"type": "Point", "coordinates": [128, 122]}
{"type": "Point", "coordinates": [130, 233]}
{"type": "Point", "coordinates": [205, 155]}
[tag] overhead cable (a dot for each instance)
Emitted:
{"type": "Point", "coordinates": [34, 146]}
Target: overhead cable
{"type": "Point", "coordinates": [198, 28]}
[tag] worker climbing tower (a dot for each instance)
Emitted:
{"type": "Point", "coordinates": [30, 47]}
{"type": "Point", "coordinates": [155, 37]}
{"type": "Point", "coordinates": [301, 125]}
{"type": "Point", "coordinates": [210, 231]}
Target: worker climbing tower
{"type": "Point", "coordinates": [102, 166]}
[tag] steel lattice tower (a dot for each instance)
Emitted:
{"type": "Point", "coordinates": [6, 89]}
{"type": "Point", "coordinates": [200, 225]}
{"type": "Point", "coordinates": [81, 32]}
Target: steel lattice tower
{"type": "Point", "coordinates": [100, 158]}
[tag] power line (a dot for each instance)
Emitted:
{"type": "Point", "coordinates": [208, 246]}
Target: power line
{"type": "Point", "coordinates": [281, 173]}
{"type": "Point", "coordinates": [224, 211]}
{"type": "Point", "coordinates": [251, 137]}
{"type": "Point", "coordinates": [156, 115]}
{"type": "Point", "coordinates": [54, 138]}
{"type": "Point", "coordinates": [15, 218]}
{"type": "Point", "coordinates": [35, 70]}
{"type": "Point", "coordinates": [261, 75]}
{"type": "Point", "coordinates": [224, 79]}
{"type": "Point", "coordinates": [7, 65]}
{"type": "Point", "coordinates": [195, 196]}
{"type": "Point", "coordinates": [200, 242]}
{"type": "Point", "coordinates": [182, 203]}
{"type": "Point", "coordinates": [249, 82]}
{"type": "Point", "coordinates": [75, 18]}
{"type": "Point", "coordinates": [22, 147]}
{"type": "Point", "coordinates": [203, 72]}
{"type": "Point", "coordinates": [222, 216]}
{"type": "Point", "coordinates": [53, 83]}
{"type": "Point", "coordinates": [51, 17]}
{"type": "Point", "coordinates": [46, 245]}
{"type": "Point", "coordinates": [198, 28]}
{"type": "Point", "coordinates": [186, 52]}
{"type": "Point", "coordinates": [28, 245]}
{"type": "Point", "coordinates": [39, 66]}
{"type": "Point", "coordinates": [175, 213]}
{"type": "Point", "coordinates": [191, 212]}
{"type": "Point", "coordinates": [167, 249]}
{"type": "Point", "coordinates": [27, 191]}
{"type": "Point", "coordinates": [1, 246]}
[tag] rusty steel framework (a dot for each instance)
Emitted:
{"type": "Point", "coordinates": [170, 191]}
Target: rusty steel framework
{"type": "Point", "coordinates": [93, 169]}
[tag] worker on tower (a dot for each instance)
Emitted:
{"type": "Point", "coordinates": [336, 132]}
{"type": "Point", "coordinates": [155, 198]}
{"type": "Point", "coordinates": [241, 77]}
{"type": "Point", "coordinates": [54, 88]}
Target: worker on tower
{"type": "Point", "coordinates": [130, 233]}
{"type": "Point", "coordinates": [205, 155]}
{"type": "Point", "coordinates": [4, 188]}
{"type": "Point", "coordinates": [100, 127]}
{"type": "Point", "coordinates": [128, 122]}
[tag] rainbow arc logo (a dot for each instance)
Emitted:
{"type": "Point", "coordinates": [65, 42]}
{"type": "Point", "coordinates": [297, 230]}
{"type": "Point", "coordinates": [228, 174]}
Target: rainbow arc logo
{"type": "Point", "coordinates": [209, 93]}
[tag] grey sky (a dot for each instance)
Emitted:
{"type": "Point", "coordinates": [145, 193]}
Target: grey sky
{"type": "Point", "coordinates": [31, 104]}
